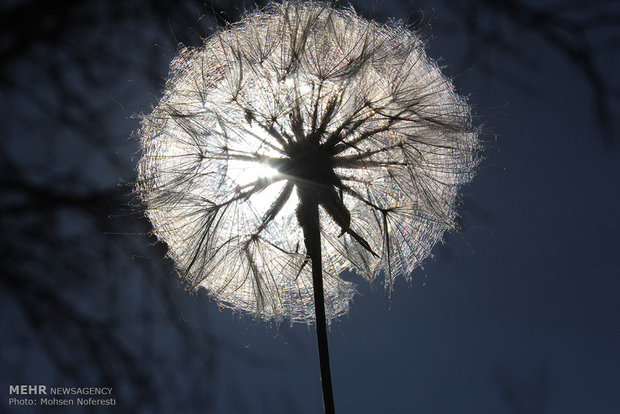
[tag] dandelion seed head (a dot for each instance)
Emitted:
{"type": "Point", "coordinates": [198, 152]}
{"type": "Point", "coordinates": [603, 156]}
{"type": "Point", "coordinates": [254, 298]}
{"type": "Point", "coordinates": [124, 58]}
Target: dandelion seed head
{"type": "Point", "coordinates": [302, 95]}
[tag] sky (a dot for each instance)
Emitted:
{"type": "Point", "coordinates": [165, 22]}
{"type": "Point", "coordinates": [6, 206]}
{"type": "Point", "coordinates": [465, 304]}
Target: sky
{"type": "Point", "coordinates": [518, 312]}
{"type": "Point", "coordinates": [522, 302]}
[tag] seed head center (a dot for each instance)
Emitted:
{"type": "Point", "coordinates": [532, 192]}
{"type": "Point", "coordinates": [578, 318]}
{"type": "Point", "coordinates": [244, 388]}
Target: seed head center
{"type": "Point", "coordinates": [310, 164]}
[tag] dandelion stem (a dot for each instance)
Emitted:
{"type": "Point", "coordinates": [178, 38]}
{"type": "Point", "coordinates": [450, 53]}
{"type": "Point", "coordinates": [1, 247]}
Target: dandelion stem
{"type": "Point", "coordinates": [308, 215]}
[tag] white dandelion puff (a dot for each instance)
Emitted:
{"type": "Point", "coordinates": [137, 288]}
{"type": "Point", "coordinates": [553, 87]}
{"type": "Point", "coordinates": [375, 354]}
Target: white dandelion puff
{"type": "Point", "coordinates": [299, 143]}
{"type": "Point", "coordinates": [301, 102]}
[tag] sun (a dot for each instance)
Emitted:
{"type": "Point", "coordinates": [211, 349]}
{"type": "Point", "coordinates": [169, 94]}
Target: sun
{"type": "Point", "coordinates": [246, 173]}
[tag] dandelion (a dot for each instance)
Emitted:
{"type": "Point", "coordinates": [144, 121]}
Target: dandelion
{"type": "Point", "coordinates": [299, 143]}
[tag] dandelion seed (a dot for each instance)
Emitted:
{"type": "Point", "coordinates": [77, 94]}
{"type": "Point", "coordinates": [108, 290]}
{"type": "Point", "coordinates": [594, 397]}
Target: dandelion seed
{"type": "Point", "coordinates": [301, 95]}
{"type": "Point", "coordinates": [299, 143]}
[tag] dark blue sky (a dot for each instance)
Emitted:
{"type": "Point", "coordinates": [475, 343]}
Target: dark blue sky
{"type": "Point", "coordinates": [517, 313]}
{"type": "Point", "coordinates": [523, 302]}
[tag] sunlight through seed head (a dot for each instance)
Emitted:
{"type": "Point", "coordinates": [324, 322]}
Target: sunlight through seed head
{"type": "Point", "coordinates": [302, 96]}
